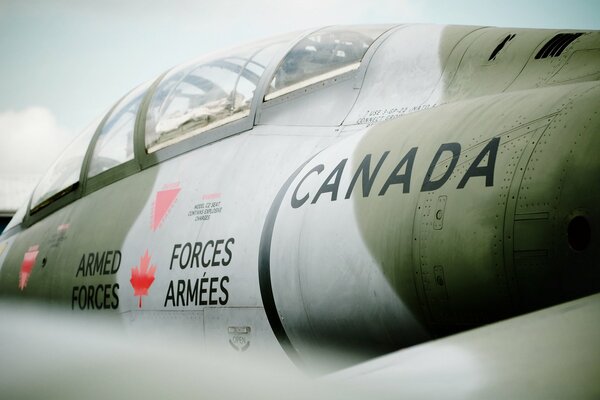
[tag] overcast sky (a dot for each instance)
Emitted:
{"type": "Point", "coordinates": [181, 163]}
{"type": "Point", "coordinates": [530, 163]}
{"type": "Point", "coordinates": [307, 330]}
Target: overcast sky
{"type": "Point", "coordinates": [65, 62]}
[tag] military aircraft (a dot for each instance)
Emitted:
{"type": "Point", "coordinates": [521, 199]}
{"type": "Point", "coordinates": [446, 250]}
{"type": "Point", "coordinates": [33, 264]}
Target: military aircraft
{"type": "Point", "coordinates": [346, 190]}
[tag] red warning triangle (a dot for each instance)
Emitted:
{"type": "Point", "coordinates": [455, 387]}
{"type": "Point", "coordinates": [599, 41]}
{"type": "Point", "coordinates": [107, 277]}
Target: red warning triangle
{"type": "Point", "coordinates": [27, 265]}
{"type": "Point", "coordinates": [163, 202]}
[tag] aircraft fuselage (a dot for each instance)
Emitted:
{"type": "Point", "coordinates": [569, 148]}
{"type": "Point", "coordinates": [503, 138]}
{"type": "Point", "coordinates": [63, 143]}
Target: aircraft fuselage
{"type": "Point", "coordinates": [384, 200]}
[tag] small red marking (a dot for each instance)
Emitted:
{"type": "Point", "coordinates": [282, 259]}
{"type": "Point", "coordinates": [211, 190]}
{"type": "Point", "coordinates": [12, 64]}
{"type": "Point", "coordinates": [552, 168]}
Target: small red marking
{"type": "Point", "coordinates": [211, 196]}
{"type": "Point", "coordinates": [142, 277]}
{"type": "Point", "coordinates": [163, 202]}
{"type": "Point", "coordinates": [63, 227]}
{"type": "Point", "coordinates": [174, 185]}
{"type": "Point", "coordinates": [27, 265]}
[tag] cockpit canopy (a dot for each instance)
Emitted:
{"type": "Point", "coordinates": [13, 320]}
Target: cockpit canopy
{"type": "Point", "coordinates": [206, 93]}
{"type": "Point", "coordinates": [202, 96]}
{"type": "Point", "coordinates": [321, 55]}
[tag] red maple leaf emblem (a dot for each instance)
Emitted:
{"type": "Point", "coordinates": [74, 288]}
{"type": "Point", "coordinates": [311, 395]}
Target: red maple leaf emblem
{"type": "Point", "coordinates": [142, 277]}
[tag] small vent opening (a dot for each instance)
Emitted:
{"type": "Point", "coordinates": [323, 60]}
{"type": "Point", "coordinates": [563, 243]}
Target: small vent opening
{"type": "Point", "coordinates": [579, 233]}
{"type": "Point", "coordinates": [557, 45]}
{"type": "Point", "coordinates": [501, 46]}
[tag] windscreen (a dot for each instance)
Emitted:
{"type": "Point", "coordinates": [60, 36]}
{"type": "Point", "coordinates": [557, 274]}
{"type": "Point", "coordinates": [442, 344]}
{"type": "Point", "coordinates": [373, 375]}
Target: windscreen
{"type": "Point", "coordinates": [64, 173]}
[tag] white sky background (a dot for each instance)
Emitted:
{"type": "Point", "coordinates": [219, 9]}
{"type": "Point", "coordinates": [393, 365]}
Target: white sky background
{"type": "Point", "coordinates": [65, 62]}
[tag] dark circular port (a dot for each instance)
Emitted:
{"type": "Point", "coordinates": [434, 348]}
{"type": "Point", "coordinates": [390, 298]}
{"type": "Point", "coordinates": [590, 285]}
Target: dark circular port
{"type": "Point", "coordinates": [579, 233]}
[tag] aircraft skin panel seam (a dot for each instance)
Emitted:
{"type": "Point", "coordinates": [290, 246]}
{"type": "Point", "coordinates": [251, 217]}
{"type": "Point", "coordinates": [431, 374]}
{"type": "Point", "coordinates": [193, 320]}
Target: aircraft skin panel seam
{"type": "Point", "coordinates": [264, 270]}
{"type": "Point", "coordinates": [362, 71]}
{"type": "Point", "coordinates": [510, 209]}
{"type": "Point", "coordinates": [462, 57]}
{"type": "Point", "coordinates": [446, 64]}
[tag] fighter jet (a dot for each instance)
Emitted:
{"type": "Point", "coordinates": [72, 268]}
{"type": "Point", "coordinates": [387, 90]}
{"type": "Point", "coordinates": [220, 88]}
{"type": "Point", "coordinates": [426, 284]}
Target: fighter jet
{"type": "Point", "coordinates": [346, 190]}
